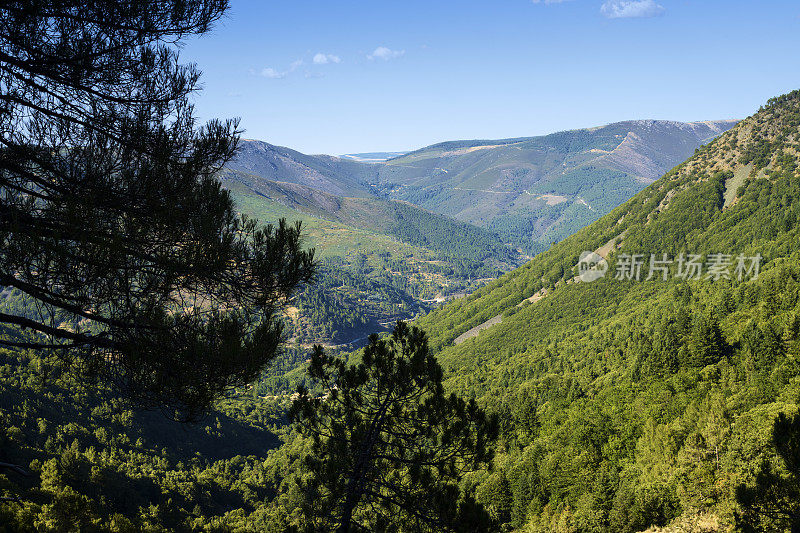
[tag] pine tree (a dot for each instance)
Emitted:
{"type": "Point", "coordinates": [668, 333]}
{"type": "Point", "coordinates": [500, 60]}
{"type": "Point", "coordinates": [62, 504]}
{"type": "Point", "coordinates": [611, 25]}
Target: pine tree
{"type": "Point", "coordinates": [388, 446]}
{"type": "Point", "coordinates": [134, 264]}
{"type": "Point", "coordinates": [706, 343]}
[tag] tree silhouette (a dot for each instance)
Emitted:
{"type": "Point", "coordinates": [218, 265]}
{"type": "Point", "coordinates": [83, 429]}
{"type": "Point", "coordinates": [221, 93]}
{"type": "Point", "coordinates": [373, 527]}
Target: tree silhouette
{"type": "Point", "coordinates": [388, 445]}
{"type": "Point", "coordinates": [134, 264]}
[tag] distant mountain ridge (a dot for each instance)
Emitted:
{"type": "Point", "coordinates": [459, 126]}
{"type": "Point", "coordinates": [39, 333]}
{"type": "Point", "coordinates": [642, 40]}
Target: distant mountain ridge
{"type": "Point", "coordinates": [531, 191]}
{"type": "Point", "coordinates": [538, 190]}
{"type": "Point", "coordinates": [373, 157]}
{"type": "Point", "coordinates": [703, 130]}
{"type": "Point", "coordinates": [333, 175]}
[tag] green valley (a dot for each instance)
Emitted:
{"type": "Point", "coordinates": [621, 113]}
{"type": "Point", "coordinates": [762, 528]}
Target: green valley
{"type": "Point", "coordinates": [498, 201]}
{"type": "Point", "coordinates": [595, 330]}
{"type": "Point", "coordinates": [381, 260]}
{"type": "Point", "coordinates": [623, 404]}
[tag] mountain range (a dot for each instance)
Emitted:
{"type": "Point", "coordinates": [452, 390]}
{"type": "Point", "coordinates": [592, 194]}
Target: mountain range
{"type": "Point", "coordinates": [454, 215]}
{"type": "Point", "coordinates": [529, 191]}
{"type": "Point", "coordinates": [538, 190]}
{"type": "Point", "coordinates": [626, 402]}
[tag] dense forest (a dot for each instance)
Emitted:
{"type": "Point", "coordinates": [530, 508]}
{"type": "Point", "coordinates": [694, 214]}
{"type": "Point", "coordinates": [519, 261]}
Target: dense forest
{"type": "Point", "coordinates": [639, 403]}
{"type": "Point", "coordinates": [623, 404]}
{"type": "Point", "coordinates": [158, 370]}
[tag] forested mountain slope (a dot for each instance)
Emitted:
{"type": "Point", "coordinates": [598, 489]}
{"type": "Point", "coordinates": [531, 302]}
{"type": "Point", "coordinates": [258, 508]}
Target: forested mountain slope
{"type": "Point", "coordinates": [381, 260]}
{"type": "Point", "coordinates": [94, 464]}
{"type": "Point", "coordinates": [405, 222]}
{"type": "Point", "coordinates": [539, 190]}
{"type": "Point", "coordinates": [637, 403]}
{"type": "Point", "coordinates": [334, 175]}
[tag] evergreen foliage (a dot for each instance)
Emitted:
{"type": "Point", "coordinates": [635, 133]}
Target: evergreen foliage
{"type": "Point", "coordinates": [112, 221]}
{"type": "Point", "coordinates": [388, 446]}
{"type": "Point", "coordinates": [772, 503]}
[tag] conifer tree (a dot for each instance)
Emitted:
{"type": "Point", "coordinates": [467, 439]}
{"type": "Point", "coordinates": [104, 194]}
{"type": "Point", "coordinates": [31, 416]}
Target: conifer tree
{"type": "Point", "coordinates": [135, 266]}
{"type": "Point", "coordinates": [388, 446]}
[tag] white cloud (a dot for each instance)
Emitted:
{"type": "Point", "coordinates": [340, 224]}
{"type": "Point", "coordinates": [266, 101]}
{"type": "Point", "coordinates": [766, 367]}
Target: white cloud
{"type": "Point", "coordinates": [385, 53]}
{"type": "Point", "coordinates": [272, 74]}
{"type": "Point", "coordinates": [294, 66]}
{"type": "Point", "coordinates": [324, 59]}
{"type": "Point", "coordinates": [618, 9]}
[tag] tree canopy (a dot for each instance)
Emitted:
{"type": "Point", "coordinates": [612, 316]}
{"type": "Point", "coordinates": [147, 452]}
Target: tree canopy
{"type": "Point", "coordinates": [133, 262]}
{"type": "Point", "coordinates": [388, 445]}
{"type": "Point", "coordinates": [771, 503]}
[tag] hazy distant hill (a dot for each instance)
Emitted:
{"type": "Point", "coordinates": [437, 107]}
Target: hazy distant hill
{"type": "Point", "coordinates": [334, 175]}
{"type": "Point", "coordinates": [538, 190]}
{"type": "Point", "coordinates": [531, 191]}
{"type": "Point", "coordinates": [373, 157]}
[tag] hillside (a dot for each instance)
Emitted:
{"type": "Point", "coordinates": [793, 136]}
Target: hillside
{"type": "Point", "coordinates": [334, 175]}
{"type": "Point", "coordinates": [635, 403]}
{"type": "Point", "coordinates": [539, 190]}
{"type": "Point", "coordinates": [380, 260]}
{"type": "Point", "coordinates": [406, 222]}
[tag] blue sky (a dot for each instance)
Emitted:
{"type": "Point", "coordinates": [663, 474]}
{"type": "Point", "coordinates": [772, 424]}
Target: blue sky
{"type": "Point", "coordinates": [347, 76]}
